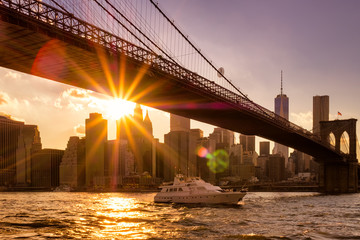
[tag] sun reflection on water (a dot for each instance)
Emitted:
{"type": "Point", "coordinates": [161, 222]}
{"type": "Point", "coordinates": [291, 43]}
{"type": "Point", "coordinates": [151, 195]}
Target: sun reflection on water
{"type": "Point", "coordinates": [123, 217]}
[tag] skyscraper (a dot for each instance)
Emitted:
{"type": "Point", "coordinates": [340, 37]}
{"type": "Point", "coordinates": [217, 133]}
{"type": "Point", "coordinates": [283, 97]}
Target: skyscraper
{"type": "Point", "coordinates": [282, 109]}
{"type": "Point", "coordinates": [224, 138]}
{"type": "Point", "coordinates": [30, 143]}
{"type": "Point", "coordinates": [178, 123]}
{"type": "Point", "coordinates": [45, 168]}
{"type": "Point", "coordinates": [138, 133]}
{"type": "Point", "coordinates": [10, 132]}
{"type": "Point", "coordinates": [72, 167]}
{"type": "Point", "coordinates": [320, 112]}
{"type": "Point", "coordinates": [96, 137]}
{"type": "Point", "coordinates": [248, 142]}
{"type": "Point", "coordinates": [265, 148]}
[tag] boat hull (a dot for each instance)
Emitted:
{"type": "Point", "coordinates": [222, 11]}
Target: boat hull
{"type": "Point", "coordinates": [221, 198]}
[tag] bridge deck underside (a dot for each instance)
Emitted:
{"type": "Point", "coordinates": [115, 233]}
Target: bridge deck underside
{"type": "Point", "coordinates": [50, 53]}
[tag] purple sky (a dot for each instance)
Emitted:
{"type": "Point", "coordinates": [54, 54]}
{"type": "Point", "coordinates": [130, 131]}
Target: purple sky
{"type": "Point", "coordinates": [315, 42]}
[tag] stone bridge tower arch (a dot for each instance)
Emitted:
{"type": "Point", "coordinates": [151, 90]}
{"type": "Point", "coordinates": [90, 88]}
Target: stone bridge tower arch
{"type": "Point", "coordinates": [339, 176]}
{"type": "Point", "coordinates": [338, 127]}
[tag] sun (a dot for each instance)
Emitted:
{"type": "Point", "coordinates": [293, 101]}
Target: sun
{"type": "Point", "coordinates": [117, 108]}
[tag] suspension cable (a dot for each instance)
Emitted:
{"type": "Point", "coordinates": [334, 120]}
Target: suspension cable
{"type": "Point", "coordinates": [197, 50]}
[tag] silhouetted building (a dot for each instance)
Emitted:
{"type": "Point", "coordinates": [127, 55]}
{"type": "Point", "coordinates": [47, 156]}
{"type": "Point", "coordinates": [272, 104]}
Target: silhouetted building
{"type": "Point", "coordinates": [320, 112]}
{"type": "Point", "coordinates": [138, 133]}
{"type": "Point", "coordinates": [301, 161]}
{"type": "Point", "coordinates": [195, 135]}
{"type": "Point", "coordinates": [264, 148]}
{"type": "Point", "coordinates": [203, 169]}
{"type": "Point", "coordinates": [29, 143]}
{"type": "Point", "coordinates": [276, 167]}
{"type": "Point", "coordinates": [236, 159]}
{"type": "Point", "coordinates": [262, 163]}
{"type": "Point", "coordinates": [223, 138]}
{"type": "Point", "coordinates": [180, 146]}
{"type": "Point", "coordinates": [248, 142]}
{"type": "Point", "coordinates": [179, 123]}
{"type": "Point", "coordinates": [96, 137]}
{"type": "Point", "coordinates": [176, 158]}
{"type": "Point", "coordinates": [247, 171]}
{"type": "Point", "coordinates": [72, 167]}
{"type": "Point", "coordinates": [45, 168]}
{"type": "Point", "coordinates": [159, 151]}
{"type": "Point", "coordinates": [10, 132]}
{"type": "Point", "coordinates": [282, 109]}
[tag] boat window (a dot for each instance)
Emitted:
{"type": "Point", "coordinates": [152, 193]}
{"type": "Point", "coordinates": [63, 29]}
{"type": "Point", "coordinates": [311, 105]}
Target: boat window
{"type": "Point", "coordinates": [180, 189]}
{"type": "Point", "coordinates": [171, 189]}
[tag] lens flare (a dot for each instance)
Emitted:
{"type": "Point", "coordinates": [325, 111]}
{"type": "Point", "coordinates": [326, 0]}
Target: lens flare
{"type": "Point", "coordinates": [218, 161]}
{"type": "Point", "coordinates": [202, 152]}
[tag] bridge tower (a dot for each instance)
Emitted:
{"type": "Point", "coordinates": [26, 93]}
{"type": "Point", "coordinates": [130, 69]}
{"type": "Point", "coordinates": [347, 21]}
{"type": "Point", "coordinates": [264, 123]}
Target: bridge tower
{"type": "Point", "coordinates": [339, 175]}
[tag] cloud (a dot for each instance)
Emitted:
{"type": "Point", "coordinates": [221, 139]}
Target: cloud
{"type": "Point", "coordinates": [76, 93]}
{"type": "Point", "coordinates": [302, 119]}
{"type": "Point", "coordinates": [13, 75]}
{"type": "Point", "coordinates": [57, 103]}
{"type": "Point", "coordinates": [75, 106]}
{"type": "Point", "coordinates": [3, 98]}
{"type": "Point", "coordinates": [73, 98]}
{"type": "Point", "coordinates": [79, 129]}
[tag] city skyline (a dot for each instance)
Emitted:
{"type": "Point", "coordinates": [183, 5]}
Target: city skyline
{"type": "Point", "coordinates": [30, 98]}
{"type": "Point", "coordinates": [97, 163]}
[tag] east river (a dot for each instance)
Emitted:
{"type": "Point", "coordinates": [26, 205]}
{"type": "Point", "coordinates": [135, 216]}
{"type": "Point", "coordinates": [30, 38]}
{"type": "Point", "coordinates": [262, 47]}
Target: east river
{"type": "Point", "coordinates": [68, 215]}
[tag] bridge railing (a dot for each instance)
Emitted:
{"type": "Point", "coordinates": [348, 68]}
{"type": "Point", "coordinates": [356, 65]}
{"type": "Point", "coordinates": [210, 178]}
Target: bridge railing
{"type": "Point", "coordinates": [68, 23]}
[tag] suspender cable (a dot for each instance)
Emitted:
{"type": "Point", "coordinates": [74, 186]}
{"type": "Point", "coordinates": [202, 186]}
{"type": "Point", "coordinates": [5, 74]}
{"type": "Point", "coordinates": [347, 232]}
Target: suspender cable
{"type": "Point", "coordinates": [125, 27]}
{"type": "Point", "coordinates": [137, 29]}
{"type": "Point", "coordinates": [199, 52]}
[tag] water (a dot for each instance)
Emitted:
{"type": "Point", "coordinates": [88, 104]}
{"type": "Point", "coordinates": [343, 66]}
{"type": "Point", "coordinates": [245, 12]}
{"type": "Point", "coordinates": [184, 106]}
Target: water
{"type": "Point", "coordinates": [57, 215]}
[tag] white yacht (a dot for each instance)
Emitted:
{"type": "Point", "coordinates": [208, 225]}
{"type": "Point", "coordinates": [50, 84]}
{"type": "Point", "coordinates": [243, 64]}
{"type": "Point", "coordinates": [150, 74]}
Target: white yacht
{"type": "Point", "coordinates": [196, 190]}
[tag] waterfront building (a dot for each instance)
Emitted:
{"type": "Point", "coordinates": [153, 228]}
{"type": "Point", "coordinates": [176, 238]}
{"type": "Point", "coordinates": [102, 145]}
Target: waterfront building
{"type": "Point", "coordinates": [320, 112]}
{"type": "Point", "coordinates": [248, 142]}
{"type": "Point", "coordinates": [177, 147]}
{"type": "Point", "coordinates": [158, 159]}
{"type": "Point", "coordinates": [31, 144]}
{"type": "Point", "coordinates": [264, 148]}
{"type": "Point", "coordinates": [194, 136]}
{"type": "Point", "coordinates": [262, 164]}
{"type": "Point", "coordinates": [45, 168]}
{"type": "Point", "coordinates": [282, 109]}
{"type": "Point", "coordinates": [176, 158]}
{"type": "Point", "coordinates": [235, 159]}
{"type": "Point", "coordinates": [223, 139]}
{"type": "Point", "coordinates": [72, 167]}
{"type": "Point", "coordinates": [10, 131]}
{"type": "Point", "coordinates": [276, 167]}
{"type": "Point", "coordinates": [96, 137]}
{"type": "Point", "coordinates": [246, 171]}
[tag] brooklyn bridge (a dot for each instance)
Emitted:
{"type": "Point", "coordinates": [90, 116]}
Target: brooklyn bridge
{"type": "Point", "coordinates": [94, 45]}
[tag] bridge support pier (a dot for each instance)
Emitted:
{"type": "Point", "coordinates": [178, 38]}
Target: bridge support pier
{"type": "Point", "coordinates": [339, 175]}
{"type": "Point", "coordinates": [338, 178]}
